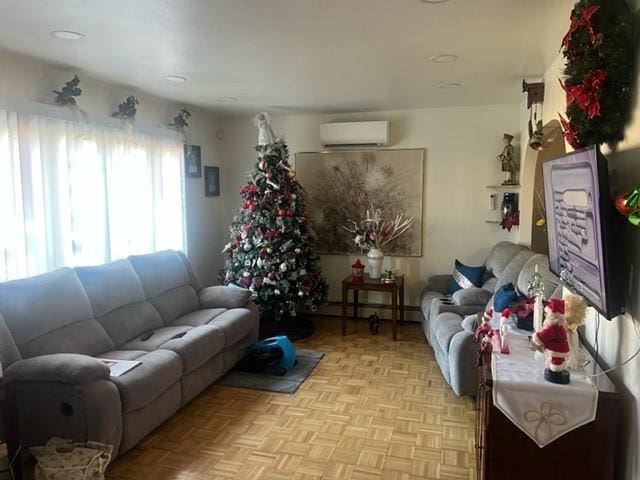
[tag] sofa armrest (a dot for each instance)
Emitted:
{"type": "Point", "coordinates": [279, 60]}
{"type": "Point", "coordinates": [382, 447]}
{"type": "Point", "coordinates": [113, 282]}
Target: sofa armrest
{"type": "Point", "coordinates": [439, 283]}
{"type": "Point", "coordinates": [472, 296]}
{"type": "Point", "coordinates": [463, 364]}
{"type": "Point", "coordinates": [69, 368]}
{"type": "Point", "coordinates": [224, 297]}
{"type": "Point", "coordinates": [444, 305]}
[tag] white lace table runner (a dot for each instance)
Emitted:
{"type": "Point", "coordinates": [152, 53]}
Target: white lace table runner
{"type": "Point", "coordinates": [543, 410]}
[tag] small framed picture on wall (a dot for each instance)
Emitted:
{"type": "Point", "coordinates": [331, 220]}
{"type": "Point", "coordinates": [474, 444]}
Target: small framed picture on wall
{"type": "Point", "coordinates": [192, 161]}
{"type": "Point", "coordinates": [211, 181]}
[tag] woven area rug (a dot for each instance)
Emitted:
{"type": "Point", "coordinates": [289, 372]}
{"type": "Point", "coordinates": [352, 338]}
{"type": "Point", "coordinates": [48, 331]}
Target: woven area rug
{"type": "Point", "coordinates": [288, 383]}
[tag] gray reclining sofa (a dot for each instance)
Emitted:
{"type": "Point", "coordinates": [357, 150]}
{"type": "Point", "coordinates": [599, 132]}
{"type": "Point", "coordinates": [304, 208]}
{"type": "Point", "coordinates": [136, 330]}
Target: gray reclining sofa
{"type": "Point", "coordinates": [448, 321]}
{"type": "Point", "coordinates": [149, 308]}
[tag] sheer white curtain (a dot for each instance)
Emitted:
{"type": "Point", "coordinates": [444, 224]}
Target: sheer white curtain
{"type": "Point", "coordinates": [73, 194]}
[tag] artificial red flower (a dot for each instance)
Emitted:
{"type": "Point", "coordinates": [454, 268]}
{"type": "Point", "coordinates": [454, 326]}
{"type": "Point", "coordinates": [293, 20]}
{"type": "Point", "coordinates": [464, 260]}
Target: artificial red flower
{"type": "Point", "coordinates": [585, 20]}
{"type": "Point", "coordinates": [569, 132]}
{"type": "Point", "coordinates": [593, 110]}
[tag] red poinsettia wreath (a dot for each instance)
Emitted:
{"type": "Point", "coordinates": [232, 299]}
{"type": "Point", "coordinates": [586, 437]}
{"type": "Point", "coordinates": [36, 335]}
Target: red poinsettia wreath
{"type": "Point", "coordinates": [600, 56]}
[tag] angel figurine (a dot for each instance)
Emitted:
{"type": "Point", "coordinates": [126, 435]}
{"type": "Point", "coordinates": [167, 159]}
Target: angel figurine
{"type": "Point", "coordinates": [265, 132]}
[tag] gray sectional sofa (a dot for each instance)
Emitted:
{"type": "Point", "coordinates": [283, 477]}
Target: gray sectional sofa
{"type": "Point", "coordinates": [149, 308]}
{"type": "Point", "coordinates": [448, 321]}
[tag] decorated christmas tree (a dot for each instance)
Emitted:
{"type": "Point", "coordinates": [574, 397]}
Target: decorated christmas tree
{"type": "Point", "coordinates": [270, 249]}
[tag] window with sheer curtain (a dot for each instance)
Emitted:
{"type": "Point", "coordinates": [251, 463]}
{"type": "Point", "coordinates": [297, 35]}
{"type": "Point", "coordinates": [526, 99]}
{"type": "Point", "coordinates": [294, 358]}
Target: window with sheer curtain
{"type": "Point", "coordinates": [73, 194]}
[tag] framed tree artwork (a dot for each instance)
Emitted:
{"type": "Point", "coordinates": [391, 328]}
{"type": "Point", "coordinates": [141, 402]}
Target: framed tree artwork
{"type": "Point", "coordinates": [192, 161]}
{"type": "Point", "coordinates": [211, 181]}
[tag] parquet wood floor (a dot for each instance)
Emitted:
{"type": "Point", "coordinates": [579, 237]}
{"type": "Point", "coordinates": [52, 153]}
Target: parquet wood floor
{"type": "Point", "coordinates": [372, 409]}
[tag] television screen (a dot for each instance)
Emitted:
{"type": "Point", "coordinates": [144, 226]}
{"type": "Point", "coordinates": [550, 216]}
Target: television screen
{"type": "Point", "coordinates": [578, 209]}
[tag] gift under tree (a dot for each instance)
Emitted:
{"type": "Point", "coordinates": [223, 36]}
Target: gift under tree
{"type": "Point", "coordinates": [270, 250]}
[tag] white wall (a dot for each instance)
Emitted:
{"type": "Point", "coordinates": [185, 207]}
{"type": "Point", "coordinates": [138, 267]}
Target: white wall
{"type": "Point", "coordinates": [461, 148]}
{"type": "Point", "coordinates": [30, 80]}
{"type": "Point", "coordinates": [617, 338]}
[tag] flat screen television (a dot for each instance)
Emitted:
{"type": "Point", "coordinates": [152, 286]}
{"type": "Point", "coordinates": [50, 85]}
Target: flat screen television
{"type": "Point", "coordinates": [580, 228]}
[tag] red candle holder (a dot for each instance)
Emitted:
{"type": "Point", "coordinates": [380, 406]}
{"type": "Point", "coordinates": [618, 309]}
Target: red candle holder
{"type": "Point", "coordinates": [357, 271]}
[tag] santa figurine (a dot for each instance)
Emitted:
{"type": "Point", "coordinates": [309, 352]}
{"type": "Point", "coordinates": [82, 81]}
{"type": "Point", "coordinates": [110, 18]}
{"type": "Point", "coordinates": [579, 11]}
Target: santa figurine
{"type": "Point", "coordinates": [485, 327]}
{"type": "Point", "coordinates": [553, 339]}
{"type": "Point", "coordinates": [505, 315]}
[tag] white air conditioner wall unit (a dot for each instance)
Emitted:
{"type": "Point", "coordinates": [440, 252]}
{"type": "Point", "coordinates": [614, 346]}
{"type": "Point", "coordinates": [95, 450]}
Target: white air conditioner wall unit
{"type": "Point", "coordinates": [351, 134]}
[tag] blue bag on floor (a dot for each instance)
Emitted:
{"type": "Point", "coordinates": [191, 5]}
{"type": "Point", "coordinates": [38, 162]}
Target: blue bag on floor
{"type": "Point", "coordinates": [275, 354]}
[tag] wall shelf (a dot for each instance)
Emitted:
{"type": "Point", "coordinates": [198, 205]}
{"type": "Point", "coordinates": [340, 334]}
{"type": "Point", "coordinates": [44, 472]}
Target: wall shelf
{"type": "Point", "coordinates": [504, 188]}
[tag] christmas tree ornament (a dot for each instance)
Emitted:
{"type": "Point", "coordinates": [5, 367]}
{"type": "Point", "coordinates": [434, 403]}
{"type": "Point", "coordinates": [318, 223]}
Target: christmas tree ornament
{"type": "Point", "coordinates": [553, 340]}
{"type": "Point", "coordinates": [628, 204]}
{"type": "Point", "coordinates": [277, 243]}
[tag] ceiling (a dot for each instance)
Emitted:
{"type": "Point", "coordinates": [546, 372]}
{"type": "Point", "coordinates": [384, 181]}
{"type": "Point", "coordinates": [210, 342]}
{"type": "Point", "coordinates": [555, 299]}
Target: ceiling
{"type": "Point", "coordinates": [298, 56]}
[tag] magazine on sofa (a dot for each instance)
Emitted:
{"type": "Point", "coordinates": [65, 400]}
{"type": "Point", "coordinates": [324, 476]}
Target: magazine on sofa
{"type": "Point", "coordinates": [119, 367]}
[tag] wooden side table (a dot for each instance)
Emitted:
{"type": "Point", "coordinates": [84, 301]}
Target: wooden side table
{"type": "Point", "coordinates": [396, 290]}
{"type": "Point", "coordinates": [9, 418]}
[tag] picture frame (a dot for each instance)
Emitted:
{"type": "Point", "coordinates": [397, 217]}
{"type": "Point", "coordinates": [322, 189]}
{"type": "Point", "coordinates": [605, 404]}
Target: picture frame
{"type": "Point", "coordinates": [211, 181]}
{"type": "Point", "coordinates": [192, 161]}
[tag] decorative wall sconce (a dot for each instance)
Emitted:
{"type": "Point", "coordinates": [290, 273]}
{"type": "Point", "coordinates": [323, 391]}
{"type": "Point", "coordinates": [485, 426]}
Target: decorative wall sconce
{"type": "Point", "coordinates": [535, 98]}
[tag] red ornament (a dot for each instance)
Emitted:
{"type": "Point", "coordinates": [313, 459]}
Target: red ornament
{"type": "Point", "coordinates": [252, 207]}
{"type": "Point", "coordinates": [302, 219]}
{"type": "Point", "coordinates": [357, 270]}
{"type": "Point", "coordinates": [282, 212]}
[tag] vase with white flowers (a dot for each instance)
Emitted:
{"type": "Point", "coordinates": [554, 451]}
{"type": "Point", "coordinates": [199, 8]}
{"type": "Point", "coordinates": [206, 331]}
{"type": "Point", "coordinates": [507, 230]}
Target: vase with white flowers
{"type": "Point", "coordinates": [373, 232]}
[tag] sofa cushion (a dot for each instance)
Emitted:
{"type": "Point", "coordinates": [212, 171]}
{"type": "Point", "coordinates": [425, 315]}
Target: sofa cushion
{"type": "Point", "coordinates": [110, 286]}
{"type": "Point", "coordinates": [465, 276]}
{"type": "Point", "coordinates": [125, 323]}
{"type": "Point", "coordinates": [175, 303]}
{"type": "Point", "coordinates": [167, 283]}
{"type": "Point", "coordinates": [202, 316]}
{"type": "Point", "coordinates": [152, 340]}
{"type": "Point", "coordinates": [197, 346]}
{"type": "Point", "coordinates": [158, 371]}
{"type": "Point", "coordinates": [122, 354]}
{"type": "Point", "coordinates": [471, 296]}
{"type": "Point", "coordinates": [504, 296]}
{"type": "Point", "coordinates": [500, 256]}
{"type": "Point", "coordinates": [235, 323]}
{"type": "Point", "coordinates": [160, 272]}
{"type": "Point", "coordinates": [224, 297]}
{"type": "Point", "coordinates": [510, 273]}
{"type": "Point", "coordinates": [50, 313]}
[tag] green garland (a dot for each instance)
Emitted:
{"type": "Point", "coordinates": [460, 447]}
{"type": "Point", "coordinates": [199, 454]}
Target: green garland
{"type": "Point", "coordinates": [600, 49]}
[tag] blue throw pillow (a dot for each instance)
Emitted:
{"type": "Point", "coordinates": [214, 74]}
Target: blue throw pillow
{"type": "Point", "coordinates": [466, 277]}
{"type": "Point", "coordinates": [504, 297]}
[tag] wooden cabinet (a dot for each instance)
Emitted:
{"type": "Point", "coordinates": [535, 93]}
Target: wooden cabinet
{"type": "Point", "coordinates": [504, 452]}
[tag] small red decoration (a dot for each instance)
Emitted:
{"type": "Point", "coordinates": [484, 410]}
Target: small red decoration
{"type": "Point", "coordinates": [569, 132]}
{"type": "Point", "coordinates": [511, 221]}
{"type": "Point", "coordinates": [585, 20]}
{"type": "Point", "coordinates": [586, 94]}
{"type": "Point", "coordinates": [357, 269]}
{"type": "Point", "coordinates": [628, 204]}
